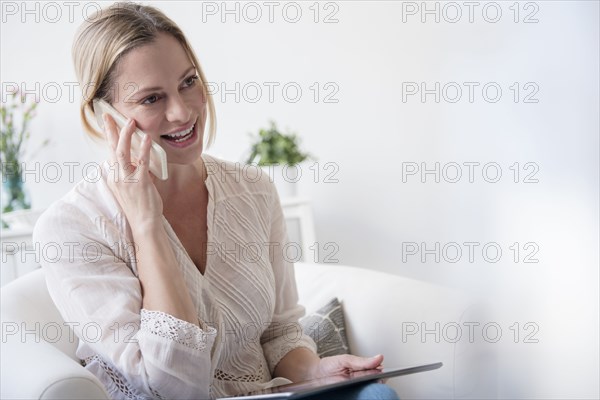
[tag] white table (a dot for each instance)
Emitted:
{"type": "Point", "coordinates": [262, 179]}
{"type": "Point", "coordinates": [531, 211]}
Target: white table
{"type": "Point", "coordinates": [301, 227]}
{"type": "Point", "coordinates": [18, 254]}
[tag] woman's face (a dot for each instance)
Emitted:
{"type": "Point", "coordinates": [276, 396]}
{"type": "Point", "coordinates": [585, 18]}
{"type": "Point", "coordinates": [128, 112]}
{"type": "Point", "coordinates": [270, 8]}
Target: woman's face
{"type": "Point", "coordinates": [158, 86]}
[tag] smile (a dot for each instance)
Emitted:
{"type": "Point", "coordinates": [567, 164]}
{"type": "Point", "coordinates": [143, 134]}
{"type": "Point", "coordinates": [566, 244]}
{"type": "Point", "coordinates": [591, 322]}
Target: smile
{"type": "Point", "coordinates": [180, 136]}
{"type": "Point", "coordinates": [182, 139]}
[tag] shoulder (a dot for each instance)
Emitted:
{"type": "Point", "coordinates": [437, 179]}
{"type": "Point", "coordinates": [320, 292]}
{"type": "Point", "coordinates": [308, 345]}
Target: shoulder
{"type": "Point", "coordinates": [80, 211]}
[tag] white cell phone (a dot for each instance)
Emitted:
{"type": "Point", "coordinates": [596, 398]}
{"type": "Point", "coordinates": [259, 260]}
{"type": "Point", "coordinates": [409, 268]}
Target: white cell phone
{"type": "Point", "coordinates": [158, 156]}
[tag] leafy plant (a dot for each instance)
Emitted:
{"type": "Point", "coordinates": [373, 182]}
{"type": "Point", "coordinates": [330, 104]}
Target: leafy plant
{"type": "Point", "coordinates": [273, 147]}
{"type": "Point", "coordinates": [15, 116]}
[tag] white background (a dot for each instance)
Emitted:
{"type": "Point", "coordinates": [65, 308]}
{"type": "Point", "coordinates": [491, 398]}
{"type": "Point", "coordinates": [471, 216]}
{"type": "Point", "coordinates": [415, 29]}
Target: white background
{"type": "Point", "coordinates": [368, 52]}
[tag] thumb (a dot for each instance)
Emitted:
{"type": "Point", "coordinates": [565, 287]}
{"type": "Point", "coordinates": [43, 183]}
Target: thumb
{"type": "Point", "coordinates": [360, 363]}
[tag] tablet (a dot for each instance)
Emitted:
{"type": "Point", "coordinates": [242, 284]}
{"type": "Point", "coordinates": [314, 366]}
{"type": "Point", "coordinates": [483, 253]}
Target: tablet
{"type": "Point", "coordinates": [321, 385]}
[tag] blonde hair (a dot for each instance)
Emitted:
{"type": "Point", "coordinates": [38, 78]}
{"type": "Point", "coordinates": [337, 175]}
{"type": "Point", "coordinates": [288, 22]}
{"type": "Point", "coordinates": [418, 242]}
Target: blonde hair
{"type": "Point", "coordinates": [106, 36]}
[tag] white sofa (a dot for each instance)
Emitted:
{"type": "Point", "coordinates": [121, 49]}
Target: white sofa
{"type": "Point", "coordinates": [384, 314]}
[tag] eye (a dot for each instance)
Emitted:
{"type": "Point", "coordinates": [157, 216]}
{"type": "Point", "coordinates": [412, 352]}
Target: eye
{"type": "Point", "coordinates": [150, 99]}
{"type": "Point", "coordinates": [190, 81]}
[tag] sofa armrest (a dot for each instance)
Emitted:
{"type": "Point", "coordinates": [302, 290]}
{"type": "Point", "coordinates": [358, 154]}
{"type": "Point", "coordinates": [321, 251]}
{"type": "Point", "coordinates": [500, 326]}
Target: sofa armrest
{"type": "Point", "coordinates": [36, 362]}
{"type": "Point", "coordinates": [35, 369]}
{"type": "Point", "coordinates": [411, 322]}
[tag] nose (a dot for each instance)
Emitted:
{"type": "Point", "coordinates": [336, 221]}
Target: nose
{"type": "Point", "coordinates": [177, 110]}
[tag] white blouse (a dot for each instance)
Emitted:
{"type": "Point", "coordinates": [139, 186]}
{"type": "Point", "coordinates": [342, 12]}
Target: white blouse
{"type": "Point", "coordinates": [246, 301]}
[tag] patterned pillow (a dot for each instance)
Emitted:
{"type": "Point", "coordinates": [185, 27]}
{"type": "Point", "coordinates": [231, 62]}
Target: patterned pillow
{"type": "Point", "coordinates": [327, 328]}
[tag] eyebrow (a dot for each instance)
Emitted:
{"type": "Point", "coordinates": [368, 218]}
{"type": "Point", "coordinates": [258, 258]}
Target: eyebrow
{"type": "Point", "coordinates": [158, 88]}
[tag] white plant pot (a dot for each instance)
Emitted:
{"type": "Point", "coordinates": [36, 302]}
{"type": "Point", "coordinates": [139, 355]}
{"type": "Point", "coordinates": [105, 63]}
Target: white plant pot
{"type": "Point", "coordinates": [285, 178]}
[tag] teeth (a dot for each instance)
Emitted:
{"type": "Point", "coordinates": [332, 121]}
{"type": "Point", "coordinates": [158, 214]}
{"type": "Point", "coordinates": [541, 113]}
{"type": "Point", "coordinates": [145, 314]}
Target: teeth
{"type": "Point", "coordinates": [182, 139]}
{"type": "Point", "coordinates": [180, 134]}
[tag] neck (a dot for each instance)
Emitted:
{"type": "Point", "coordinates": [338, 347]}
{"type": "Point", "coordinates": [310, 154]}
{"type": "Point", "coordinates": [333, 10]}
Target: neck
{"type": "Point", "coordinates": [182, 178]}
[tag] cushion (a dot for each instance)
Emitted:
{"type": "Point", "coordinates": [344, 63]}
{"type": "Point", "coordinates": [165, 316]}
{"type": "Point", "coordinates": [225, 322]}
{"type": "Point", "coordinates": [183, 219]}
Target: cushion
{"type": "Point", "coordinates": [327, 328]}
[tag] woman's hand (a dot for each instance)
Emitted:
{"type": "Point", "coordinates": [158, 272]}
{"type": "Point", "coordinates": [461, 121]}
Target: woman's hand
{"type": "Point", "coordinates": [162, 282]}
{"type": "Point", "coordinates": [302, 364]}
{"type": "Point", "coordinates": [130, 179]}
{"type": "Point", "coordinates": [336, 365]}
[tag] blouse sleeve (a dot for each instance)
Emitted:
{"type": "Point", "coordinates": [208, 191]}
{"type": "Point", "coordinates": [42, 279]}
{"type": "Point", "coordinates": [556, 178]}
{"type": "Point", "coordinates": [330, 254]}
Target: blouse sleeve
{"type": "Point", "coordinates": [100, 297]}
{"type": "Point", "coordinates": [284, 333]}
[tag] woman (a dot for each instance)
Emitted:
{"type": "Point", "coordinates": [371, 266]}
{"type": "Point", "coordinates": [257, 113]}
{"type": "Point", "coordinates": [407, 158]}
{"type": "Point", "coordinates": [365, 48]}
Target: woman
{"type": "Point", "coordinates": [155, 283]}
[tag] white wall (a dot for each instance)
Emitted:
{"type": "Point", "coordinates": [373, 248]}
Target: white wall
{"type": "Point", "coordinates": [370, 133]}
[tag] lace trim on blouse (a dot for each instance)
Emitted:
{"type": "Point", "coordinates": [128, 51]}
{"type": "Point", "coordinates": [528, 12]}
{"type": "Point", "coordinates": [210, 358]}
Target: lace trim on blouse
{"type": "Point", "coordinates": [118, 380]}
{"type": "Point", "coordinates": [224, 376]}
{"type": "Point", "coordinates": [182, 332]}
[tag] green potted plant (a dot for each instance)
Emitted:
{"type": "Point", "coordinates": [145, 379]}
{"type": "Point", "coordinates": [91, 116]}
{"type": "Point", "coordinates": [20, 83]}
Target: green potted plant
{"type": "Point", "coordinates": [280, 156]}
{"type": "Point", "coordinates": [15, 117]}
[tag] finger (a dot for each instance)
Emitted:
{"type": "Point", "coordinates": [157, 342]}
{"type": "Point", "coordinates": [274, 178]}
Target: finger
{"type": "Point", "coordinates": [361, 363]}
{"type": "Point", "coordinates": [144, 155]}
{"type": "Point", "coordinates": [378, 360]}
{"type": "Point", "coordinates": [123, 150]}
{"type": "Point", "coordinates": [111, 136]}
